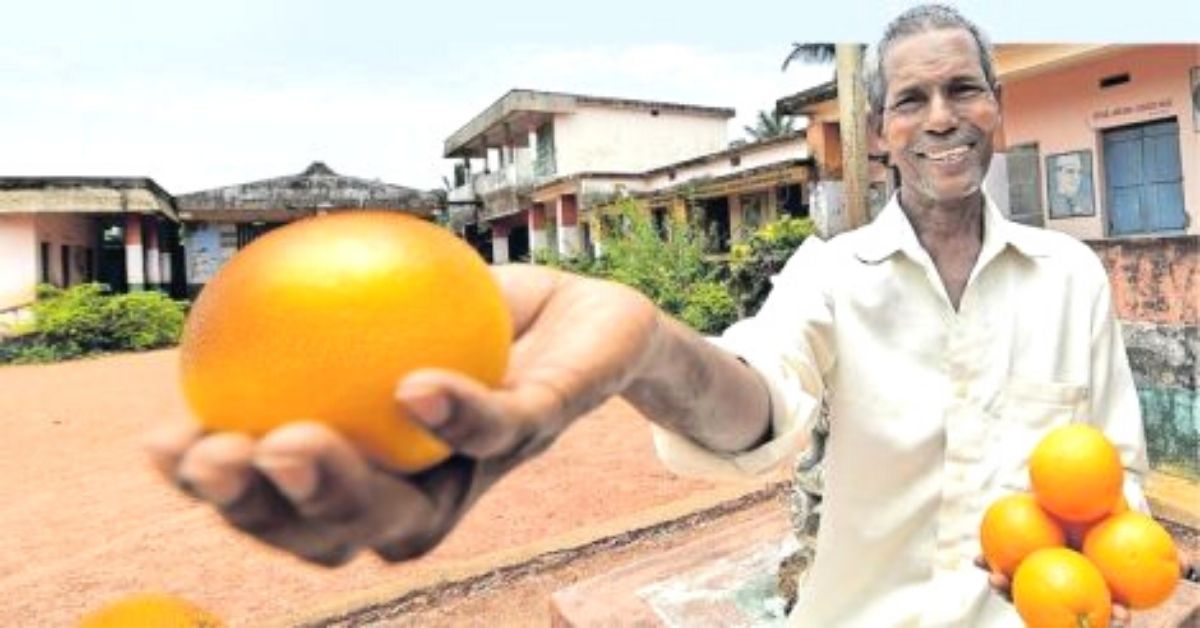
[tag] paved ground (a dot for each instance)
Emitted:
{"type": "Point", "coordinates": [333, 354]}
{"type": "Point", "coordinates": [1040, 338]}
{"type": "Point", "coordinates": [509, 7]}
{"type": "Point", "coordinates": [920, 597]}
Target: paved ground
{"type": "Point", "coordinates": [83, 519]}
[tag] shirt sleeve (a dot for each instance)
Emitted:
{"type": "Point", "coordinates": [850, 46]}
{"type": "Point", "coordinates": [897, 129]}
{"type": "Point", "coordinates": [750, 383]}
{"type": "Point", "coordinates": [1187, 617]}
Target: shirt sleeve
{"type": "Point", "coordinates": [789, 344]}
{"type": "Point", "coordinates": [1114, 402]}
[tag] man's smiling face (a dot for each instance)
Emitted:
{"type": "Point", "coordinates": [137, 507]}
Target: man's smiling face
{"type": "Point", "coordinates": [939, 115]}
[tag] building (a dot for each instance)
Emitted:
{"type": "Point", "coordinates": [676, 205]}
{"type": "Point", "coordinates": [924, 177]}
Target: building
{"type": "Point", "coordinates": [219, 222]}
{"type": "Point", "coordinates": [730, 192]}
{"type": "Point", "coordinates": [121, 231]}
{"type": "Point", "coordinates": [1103, 142]}
{"type": "Point", "coordinates": [527, 138]}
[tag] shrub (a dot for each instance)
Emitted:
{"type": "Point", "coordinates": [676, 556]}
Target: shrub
{"type": "Point", "coordinates": [753, 262]}
{"type": "Point", "coordinates": [84, 320]}
{"type": "Point", "coordinates": [709, 308]}
{"type": "Point", "coordinates": [675, 271]}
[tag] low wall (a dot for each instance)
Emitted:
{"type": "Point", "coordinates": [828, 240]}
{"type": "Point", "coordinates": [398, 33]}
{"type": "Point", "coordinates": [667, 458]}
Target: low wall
{"type": "Point", "coordinates": [1156, 295]}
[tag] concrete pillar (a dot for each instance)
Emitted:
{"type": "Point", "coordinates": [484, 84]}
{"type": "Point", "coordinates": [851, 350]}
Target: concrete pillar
{"type": "Point", "coordinates": [736, 222]}
{"type": "Point", "coordinates": [570, 241]}
{"type": "Point", "coordinates": [499, 244]}
{"type": "Point", "coordinates": [135, 261]}
{"type": "Point", "coordinates": [153, 276]}
{"type": "Point", "coordinates": [538, 238]}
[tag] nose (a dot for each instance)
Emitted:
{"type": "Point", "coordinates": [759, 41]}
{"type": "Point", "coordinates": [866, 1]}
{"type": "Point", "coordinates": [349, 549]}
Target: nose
{"type": "Point", "coordinates": [943, 117]}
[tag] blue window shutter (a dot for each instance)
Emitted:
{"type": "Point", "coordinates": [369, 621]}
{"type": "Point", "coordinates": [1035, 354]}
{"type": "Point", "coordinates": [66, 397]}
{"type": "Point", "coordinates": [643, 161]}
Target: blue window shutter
{"type": "Point", "coordinates": [1144, 179]}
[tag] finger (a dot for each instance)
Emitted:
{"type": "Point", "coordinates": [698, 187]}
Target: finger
{"type": "Point", "coordinates": [1121, 616]}
{"type": "Point", "coordinates": [471, 418]}
{"type": "Point", "coordinates": [981, 563]}
{"type": "Point", "coordinates": [1001, 584]}
{"type": "Point", "coordinates": [321, 473]}
{"type": "Point", "coordinates": [217, 468]}
{"type": "Point", "coordinates": [423, 522]}
{"type": "Point", "coordinates": [167, 444]}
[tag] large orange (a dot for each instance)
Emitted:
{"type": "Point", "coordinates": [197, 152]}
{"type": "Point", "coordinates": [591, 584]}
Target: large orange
{"type": "Point", "coordinates": [150, 610]}
{"type": "Point", "coordinates": [1058, 588]}
{"type": "Point", "coordinates": [1137, 557]}
{"type": "Point", "coordinates": [321, 318]}
{"type": "Point", "coordinates": [1076, 473]}
{"type": "Point", "coordinates": [1013, 527]}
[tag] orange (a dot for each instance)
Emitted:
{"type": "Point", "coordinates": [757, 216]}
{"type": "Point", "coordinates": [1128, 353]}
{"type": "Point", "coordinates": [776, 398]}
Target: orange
{"type": "Point", "coordinates": [1137, 557]}
{"type": "Point", "coordinates": [1013, 527]}
{"type": "Point", "coordinates": [320, 319]}
{"type": "Point", "coordinates": [1076, 473]}
{"type": "Point", "coordinates": [1076, 532]}
{"type": "Point", "coordinates": [1057, 587]}
{"type": "Point", "coordinates": [150, 610]}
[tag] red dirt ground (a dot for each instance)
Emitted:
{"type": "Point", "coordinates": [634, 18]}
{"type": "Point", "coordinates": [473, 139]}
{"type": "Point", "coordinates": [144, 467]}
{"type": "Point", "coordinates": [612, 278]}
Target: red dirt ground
{"type": "Point", "coordinates": [84, 520]}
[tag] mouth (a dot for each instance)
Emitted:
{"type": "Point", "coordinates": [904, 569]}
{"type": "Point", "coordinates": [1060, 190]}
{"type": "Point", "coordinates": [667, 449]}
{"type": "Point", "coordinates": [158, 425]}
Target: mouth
{"type": "Point", "coordinates": [948, 155]}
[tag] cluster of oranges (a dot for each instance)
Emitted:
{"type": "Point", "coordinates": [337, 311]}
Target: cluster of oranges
{"type": "Point", "coordinates": [1073, 547]}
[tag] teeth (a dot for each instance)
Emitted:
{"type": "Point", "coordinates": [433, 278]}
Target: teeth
{"type": "Point", "coordinates": [952, 153]}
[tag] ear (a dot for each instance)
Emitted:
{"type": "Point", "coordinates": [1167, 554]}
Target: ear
{"type": "Point", "coordinates": [875, 134]}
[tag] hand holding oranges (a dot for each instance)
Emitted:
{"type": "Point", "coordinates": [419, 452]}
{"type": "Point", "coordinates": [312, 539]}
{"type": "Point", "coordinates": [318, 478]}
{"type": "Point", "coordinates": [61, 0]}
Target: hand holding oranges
{"type": "Point", "coordinates": [1072, 549]}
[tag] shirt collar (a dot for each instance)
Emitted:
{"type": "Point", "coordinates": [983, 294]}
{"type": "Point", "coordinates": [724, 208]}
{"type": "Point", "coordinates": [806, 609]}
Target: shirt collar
{"type": "Point", "coordinates": [891, 232]}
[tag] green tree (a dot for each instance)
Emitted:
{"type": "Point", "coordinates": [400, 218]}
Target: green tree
{"type": "Point", "coordinates": [770, 124]}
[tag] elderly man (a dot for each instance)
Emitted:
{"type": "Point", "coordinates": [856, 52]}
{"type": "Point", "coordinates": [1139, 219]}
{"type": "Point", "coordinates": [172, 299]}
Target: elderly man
{"type": "Point", "coordinates": [947, 338]}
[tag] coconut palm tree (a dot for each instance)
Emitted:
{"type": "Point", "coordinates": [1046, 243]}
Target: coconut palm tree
{"type": "Point", "coordinates": [852, 120]}
{"type": "Point", "coordinates": [770, 124]}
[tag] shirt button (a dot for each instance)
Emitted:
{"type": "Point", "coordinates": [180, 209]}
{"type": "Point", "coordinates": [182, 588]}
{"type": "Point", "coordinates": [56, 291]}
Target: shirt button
{"type": "Point", "coordinates": [961, 390]}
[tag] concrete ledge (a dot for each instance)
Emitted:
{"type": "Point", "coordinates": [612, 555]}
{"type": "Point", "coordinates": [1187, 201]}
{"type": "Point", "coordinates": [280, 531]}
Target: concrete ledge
{"type": "Point", "coordinates": [417, 587]}
{"type": "Point", "coordinates": [1174, 498]}
{"type": "Point", "coordinates": [724, 578]}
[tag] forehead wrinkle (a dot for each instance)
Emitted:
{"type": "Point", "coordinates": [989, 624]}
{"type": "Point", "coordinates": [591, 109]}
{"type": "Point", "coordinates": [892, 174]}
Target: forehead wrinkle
{"type": "Point", "coordinates": [938, 57]}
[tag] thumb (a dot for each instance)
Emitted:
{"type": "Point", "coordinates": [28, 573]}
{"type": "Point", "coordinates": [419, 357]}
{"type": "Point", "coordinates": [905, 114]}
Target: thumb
{"type": "Point", "coordinates": [467, 415]}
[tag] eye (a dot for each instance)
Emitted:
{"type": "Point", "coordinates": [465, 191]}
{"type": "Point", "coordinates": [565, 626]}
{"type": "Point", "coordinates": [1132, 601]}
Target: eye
{"type": "Point", "coordinates": [966, 90]}
{"type": "Point", "coordinates": [906, 103]}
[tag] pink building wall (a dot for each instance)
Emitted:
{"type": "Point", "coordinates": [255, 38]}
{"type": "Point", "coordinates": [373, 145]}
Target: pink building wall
{"type": "Point", "coordinates": [18, 260]}
{"type": "Point", "coordinates": [1066, 110]}
{"type": "Point", "coordinates": [80, 233]}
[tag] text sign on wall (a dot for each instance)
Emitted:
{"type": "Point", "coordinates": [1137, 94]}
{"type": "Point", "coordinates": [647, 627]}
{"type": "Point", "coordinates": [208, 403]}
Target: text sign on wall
{"type": "Point", "coordinates": [1149, 108]}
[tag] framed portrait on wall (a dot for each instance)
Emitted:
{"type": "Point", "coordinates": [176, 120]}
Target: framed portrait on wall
{"type": "Point", "coordinates": [1196, 98]}
{"type": "Point", "coordinates": [1069, 189]}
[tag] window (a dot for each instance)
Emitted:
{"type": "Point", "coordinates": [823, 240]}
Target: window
{"type": "Point", "coordinates": [754, 212]}
{"type": "Point", "coordinates": [1143, 179]}
{"type": "Point", "coordinates": [1025, 185]}
{"type": "Point", "coordinates": [44, 261]}
{"type": "Point", "coordinates": [544, 163]}
{"type": "Point", "coordinates": [659, 215]}
{"type": "Point", "coordinates": [247, 233]}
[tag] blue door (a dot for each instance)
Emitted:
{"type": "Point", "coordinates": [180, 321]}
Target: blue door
{"type": "Point", "coordinates": [1143, 179]}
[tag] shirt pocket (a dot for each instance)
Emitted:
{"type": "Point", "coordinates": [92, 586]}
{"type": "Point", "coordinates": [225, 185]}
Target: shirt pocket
{"type": "Point", "coordinates": [1025, 411]}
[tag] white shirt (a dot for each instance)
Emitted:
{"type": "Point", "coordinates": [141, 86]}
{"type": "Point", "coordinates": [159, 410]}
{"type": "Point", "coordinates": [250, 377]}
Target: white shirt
{"type": "Point", "coordinates": [933, 412]}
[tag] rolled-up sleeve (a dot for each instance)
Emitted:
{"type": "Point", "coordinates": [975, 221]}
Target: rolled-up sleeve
{"type": "Point", "coordinates": [789, 343]}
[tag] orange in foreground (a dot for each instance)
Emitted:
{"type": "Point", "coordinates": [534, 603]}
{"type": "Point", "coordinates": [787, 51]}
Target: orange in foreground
{"type": "Point", "coordinates": [1137, 557]}
{"type": "Point", "coordinates": [1013, 527]}
{"type": "Point", "coordinates": [320, 319]}
{"type": "Point", "coordinates": [150, 610]}
{"type": "Point", "coordinates": [1076, 473]}
{"type": "Point", "coordinates": [1059, 588]}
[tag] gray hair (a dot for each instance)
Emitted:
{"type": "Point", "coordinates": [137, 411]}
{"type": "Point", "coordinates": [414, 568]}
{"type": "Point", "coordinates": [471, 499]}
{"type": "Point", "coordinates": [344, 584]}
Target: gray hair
{"type": "Point", "coordinates": [920, 19]}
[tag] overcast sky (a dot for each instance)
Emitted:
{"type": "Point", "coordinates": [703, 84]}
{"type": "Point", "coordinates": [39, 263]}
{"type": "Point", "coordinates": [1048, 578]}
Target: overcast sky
{"type": "Point", "coordinates": [217, 92]}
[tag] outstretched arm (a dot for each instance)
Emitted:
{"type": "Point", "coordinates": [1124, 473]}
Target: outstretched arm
{"type": "Point", "coordinates": [577, 342]}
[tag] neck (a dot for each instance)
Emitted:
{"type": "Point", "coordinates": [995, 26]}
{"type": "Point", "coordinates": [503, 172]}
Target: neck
{"type": "Point", "coordinates": [940, 222]}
